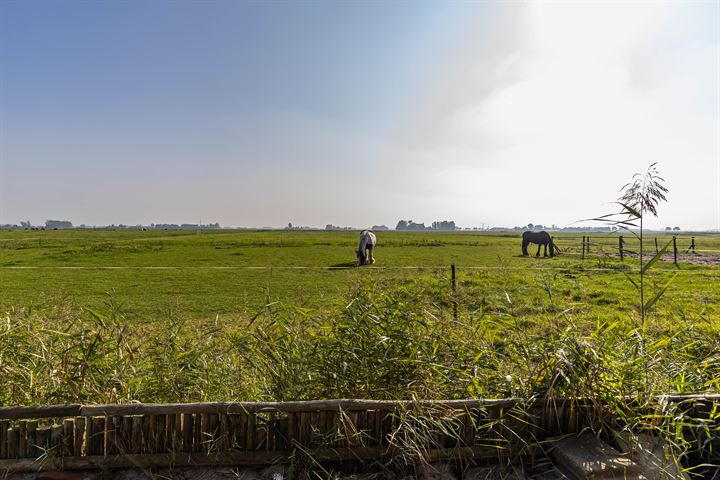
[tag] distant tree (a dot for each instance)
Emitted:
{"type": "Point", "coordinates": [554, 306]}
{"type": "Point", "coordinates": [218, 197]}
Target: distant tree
{"type": "Point", "coordinates": [444, 225]}
{"type": "Point", "coordinates": [530, 226]}
{"type": "Point", "coordinates": [380, 227]}
{"type": "Point", "coordinates": [401, 225]}
{"type": "Point", "coordinates": [677, 229]}
{"type": "Point", "coordinates": [58, 224]}
{"type": "Point", "coordinates": [667, 229]}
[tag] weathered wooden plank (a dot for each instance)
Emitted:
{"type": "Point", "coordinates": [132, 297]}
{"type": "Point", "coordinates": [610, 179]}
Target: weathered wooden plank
{"type": "Point", "coordinates": [88, 444]}
{"type": "Point", "coordinates": [50, 411]}
{"type": "Point", "coordinates": [160, 434]}
{"type": "Point", "coordinates": [22, 439]}
{"type": "Point", "coordinates": [151, 438]}
{"type": "Point", "coordinates": [251, 427]}
{"type": "Point", "coordinates": [197, 434]}
{"type": "Point", "coordinates": [124, 439]}
{"type": "Point", "coordinates": [110, 436]}
{"type": "Point", "coordinates": [233, 429]}
{"type": "Point", "coordinates": [79, 436]}
{"type": "Point", "coordinates": [4, 425]}
{"type": "Point", "coordinates": [56, 439]}
{"type": "Point", "coordinates": [67, 438]}
{"type": "Point", "coordinates": [224, 432]}
{"type": "Point", "coordinates": [97, 437]}
{"type": "Point", "coordinates": [73, 410]}
{"type": "Point", "coordinates": [304, 428]}
{"type": "Point", "coordinates": [205, 436]}
{"type": "Point", "coordinates": [228, 458]}
{"type": "Point", "coordinates": [42, 438]}
{"type": "Point", "coordinates": [136, 435]}
{"type": "Point", "coordinates": [187, 432]}
{"type": "Point", "coordinates": [292, 433]}
{"type": "Point", "coordinates": [31, 438]}
{"type": "Point", "coordinates": [148, 431]}
{"type": "Point", "coordinates": [177, 433]}
{"type": "Point", "coordinates": [260, 432]}
{"type": "Point", "coordinates": [299, 406]}
{"type": "Point", "coordinates": [241, 436]}
{"type": "Point", "coordinates": [214, 424]}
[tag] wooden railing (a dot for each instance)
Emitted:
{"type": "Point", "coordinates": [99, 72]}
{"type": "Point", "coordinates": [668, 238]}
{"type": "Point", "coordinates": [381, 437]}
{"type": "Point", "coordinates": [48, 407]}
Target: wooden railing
{"type": "Point", "coordinates": [253, 433]}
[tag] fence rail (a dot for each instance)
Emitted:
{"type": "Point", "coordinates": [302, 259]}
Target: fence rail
{"type": "Point", "coordinates": [252, 433]}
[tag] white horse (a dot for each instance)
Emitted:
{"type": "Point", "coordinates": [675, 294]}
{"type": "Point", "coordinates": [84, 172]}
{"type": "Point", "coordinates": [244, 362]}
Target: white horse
{"type": "Point", "coordinates": [365, 250]}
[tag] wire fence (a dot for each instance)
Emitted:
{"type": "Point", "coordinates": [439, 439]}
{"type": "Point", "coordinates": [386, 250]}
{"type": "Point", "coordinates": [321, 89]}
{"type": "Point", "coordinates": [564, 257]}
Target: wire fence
{"type": "Point", "coordinates": [364, 268]}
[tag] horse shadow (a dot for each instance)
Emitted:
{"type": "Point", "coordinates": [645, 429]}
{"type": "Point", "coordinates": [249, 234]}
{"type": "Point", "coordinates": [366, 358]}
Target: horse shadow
{"type": "Point", "coordinates": [338, 266]}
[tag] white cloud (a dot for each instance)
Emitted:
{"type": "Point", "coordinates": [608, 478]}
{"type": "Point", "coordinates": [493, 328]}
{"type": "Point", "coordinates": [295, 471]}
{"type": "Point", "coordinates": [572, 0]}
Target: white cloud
{"type": "Point", "coordinates": [565, 101]}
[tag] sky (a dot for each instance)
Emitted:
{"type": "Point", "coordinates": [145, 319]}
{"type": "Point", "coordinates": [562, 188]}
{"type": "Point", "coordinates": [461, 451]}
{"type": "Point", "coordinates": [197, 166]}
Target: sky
{"type": "Point", "coordinates": [495, 113]}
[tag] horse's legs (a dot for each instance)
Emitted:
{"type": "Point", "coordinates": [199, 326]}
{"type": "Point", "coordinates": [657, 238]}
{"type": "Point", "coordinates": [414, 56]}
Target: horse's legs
{"type": "Point", "coordinates": [371, 260]}
{"type": "Point", "coordinates": [545, 250]}
{"type": "Point", "coordinates": [538, 252]}
{"type": "Point", "coordinates": [524, 247]}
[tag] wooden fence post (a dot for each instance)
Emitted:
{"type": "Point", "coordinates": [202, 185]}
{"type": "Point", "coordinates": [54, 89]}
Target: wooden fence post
{"type": "Point", "coordinates": [656, 246]}
{"type": "Point", "coordinates": [454, 291]}
{"type": "Point", "coordinates": [692, 245]}
{"type": "Point", "coordinates": [587, 239]}
{"type": "Point", "coordinates": [583, 248]}
{"type": "Point", "coordinates": [675, 248]}
{"type": "Point", "coordinates": [620, 248]}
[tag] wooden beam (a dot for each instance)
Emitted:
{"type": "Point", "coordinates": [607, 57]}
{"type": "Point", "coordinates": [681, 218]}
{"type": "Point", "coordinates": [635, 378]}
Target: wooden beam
{"type": "Point", "coordinates": [247, 458]}
{"type": "Point", "coordinates": [59, 411]}
{"type": "Point", "coordinates": [50, 411]}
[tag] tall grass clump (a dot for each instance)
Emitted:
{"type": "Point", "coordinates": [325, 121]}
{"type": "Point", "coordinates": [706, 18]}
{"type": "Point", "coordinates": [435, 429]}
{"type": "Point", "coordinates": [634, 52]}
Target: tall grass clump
{"type": "Point", "coordinates": [70, 354]}
{"type": "Point", "coordinates": [385, 342]}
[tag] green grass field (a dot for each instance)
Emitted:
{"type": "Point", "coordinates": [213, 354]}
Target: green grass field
{"type": "Point", "coordinates": [232, 274]}
{"type": "Point", "coordinates": [105, 316]}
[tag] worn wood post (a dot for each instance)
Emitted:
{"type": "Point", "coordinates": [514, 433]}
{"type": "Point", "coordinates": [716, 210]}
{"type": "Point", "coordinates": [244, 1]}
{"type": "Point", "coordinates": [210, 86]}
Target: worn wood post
{"type": "Point", "coordinates": [620, 248]}
{"type": "Point", "coordinates": [692, 245]}
{"type": "Point", "coordinates": [675, 248]}
{"type": "Point", "coordinates": [587, 240]}
{"type": "Point", "coordinates": [656, 246]}
{"type": "Point", "coordinates": [583, 247]}
{"type": "Point", "coordinates": [454, 291]}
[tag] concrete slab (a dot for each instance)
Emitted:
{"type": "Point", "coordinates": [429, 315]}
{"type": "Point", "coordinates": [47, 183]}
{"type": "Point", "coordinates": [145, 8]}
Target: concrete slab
{"type": "Point", "coordinates": [653, 455]}
{"type": "Point", "coordinates": [585, 457]}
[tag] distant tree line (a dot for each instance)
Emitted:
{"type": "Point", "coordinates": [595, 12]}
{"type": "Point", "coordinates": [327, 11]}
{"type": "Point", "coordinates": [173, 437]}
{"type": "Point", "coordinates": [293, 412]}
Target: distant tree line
{"type": "Point", "coordinates": [65, 224]}
{"type": "Point", "coordinates": [444, 225]}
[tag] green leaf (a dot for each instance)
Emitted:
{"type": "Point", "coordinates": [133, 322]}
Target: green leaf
{"type": "Point", "coordinates": [630, 210]}
{"type": "Point", "coordinates": [655, 258]}
{"type": "Point", "coordinates": [659, 293]}
{"type": "Point", "coordinates": [632, 281]}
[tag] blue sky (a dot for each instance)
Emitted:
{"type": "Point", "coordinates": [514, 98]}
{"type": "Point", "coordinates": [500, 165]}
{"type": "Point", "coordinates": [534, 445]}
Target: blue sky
{"type": "Point", "coordinates": [352, 113]}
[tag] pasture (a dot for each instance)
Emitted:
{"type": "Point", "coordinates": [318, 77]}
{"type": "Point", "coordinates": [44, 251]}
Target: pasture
{"type": "Point", "coordinates": [105, 316]}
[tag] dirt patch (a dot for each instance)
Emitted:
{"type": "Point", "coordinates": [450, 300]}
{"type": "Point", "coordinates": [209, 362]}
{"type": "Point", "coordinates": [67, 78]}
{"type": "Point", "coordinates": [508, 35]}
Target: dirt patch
{"type": "Point", "coordinates": [704, 259]}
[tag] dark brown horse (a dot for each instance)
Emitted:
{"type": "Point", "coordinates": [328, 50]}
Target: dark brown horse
{"type": "Point", "coordinates": [540, 239]}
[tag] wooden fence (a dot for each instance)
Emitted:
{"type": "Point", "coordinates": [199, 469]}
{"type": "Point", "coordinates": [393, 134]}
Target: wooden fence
{"type": "Point", "coordinates": [196, 434]}
{"type": "Point", "coordinates": [628, 245]}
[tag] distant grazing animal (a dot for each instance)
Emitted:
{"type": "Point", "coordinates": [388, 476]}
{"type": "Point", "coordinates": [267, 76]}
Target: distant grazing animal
{"type": "Point", "coordinates": [365, 250]}
{"type": "Point", "coordinates": [541, 239]}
